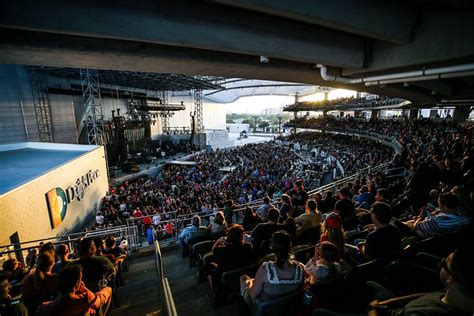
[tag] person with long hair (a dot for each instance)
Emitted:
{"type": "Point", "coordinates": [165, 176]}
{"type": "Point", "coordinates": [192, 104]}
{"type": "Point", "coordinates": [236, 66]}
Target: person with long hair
{"type": "Point", "coordinates": [219, 224]}
{"type": "Point", "coordinates": [333, 232]}
{"type": "Point", "coordinates": [274, 278]}
{"type": "Point", "coordinates": [40, 285]}
{"type": "Point", "coordinates": [325, 264]}
{"type": "Point", "coordinates": [286, 206]}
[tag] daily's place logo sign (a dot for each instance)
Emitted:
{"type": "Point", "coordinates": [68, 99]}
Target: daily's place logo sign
{"type": "Point", "coordinates": [58, 199]}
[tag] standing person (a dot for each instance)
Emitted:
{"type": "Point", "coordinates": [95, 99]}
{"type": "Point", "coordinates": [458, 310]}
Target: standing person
{"type": "Point", "coordinates": [150, 235]}
{"type": "Point", "coordinates": [299, 197]}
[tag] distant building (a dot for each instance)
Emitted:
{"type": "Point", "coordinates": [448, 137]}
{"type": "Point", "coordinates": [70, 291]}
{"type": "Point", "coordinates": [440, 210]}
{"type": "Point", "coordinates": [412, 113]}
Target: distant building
{"type": "Point", "coordinates": [237, 128]}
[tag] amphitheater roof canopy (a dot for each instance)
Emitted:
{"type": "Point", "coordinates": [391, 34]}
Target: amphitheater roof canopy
{"type": "Point", "coordinates": [143, 80]}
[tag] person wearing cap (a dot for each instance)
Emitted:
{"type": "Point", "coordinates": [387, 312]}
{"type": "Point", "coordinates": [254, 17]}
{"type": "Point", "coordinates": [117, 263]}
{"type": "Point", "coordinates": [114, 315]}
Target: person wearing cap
{"type": "Point", "coordinates": [385, 241]}
{"type": "Point", "coordinates": [299, 197]}
{"type": "Point", "coordinates": [332, 231]}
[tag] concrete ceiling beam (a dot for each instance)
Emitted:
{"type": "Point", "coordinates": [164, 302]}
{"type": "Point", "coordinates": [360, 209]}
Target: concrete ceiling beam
{"type": "Point", "coordinates": [33, 48]}
{"type": "Point", "coordinates": [442, 38]}
{"type": "Point", "coordinates": [192, 24]}
{"type": "Point", "coordinates": [383, 20]}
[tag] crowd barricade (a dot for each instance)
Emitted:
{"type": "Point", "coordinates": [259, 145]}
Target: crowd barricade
{"type": "Point", "coordinates": [20, 250]}
{"type": "Point", "coordinates": [180, 221]}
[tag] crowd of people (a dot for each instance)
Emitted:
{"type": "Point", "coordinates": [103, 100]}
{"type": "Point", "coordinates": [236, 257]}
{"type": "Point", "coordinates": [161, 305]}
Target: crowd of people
{"type": "Point", "coordinates": [376, 221]}
{"type": "Point", "coordinates": [370, 221]}
{"type": "Point", "coordinates": [251, 172]}
{"type": "Point", "coordinates": [57, 281]}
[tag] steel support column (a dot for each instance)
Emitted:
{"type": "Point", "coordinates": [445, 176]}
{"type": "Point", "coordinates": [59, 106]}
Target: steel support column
{"type": "Point", "coordinates": [199, 110]}
{"type": "Point", "coordinates": [94, 119]}
{"type": "Point", "coordinates": [39, 92]}
{"type": "Point", "coordinates": [165, 115]}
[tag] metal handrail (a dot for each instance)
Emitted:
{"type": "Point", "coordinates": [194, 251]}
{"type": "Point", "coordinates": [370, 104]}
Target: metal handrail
{"type": "Point", "coordinates": [168, 299]}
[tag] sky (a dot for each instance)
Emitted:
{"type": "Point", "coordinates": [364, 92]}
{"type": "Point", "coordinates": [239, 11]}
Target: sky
{"type": "Point", "coordinates": [273, 104]}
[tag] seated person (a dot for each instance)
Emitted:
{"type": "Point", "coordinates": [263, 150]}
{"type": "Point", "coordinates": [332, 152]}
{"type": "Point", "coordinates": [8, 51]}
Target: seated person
{"type": "Point", "coordinates": [456, 300]}
{"type": "Point", "coordinates": [264, 231]}
{"type": "Point", "coordinates": [96, 270]}
{"type": "Point", "coordinates": [15, 270]}
{"type": "Point", "coordinates": [274, 278]}
{"type": "Point", "coordinates": [311, 218]}
{"type": "Point", "coordinates": [262, 211]}
{"type": "Point", "coordinates": [385, 241]}
{"type": "Point", "coordinates": [40, 285]}
{"type": "Point", "coordinates": [250, 219]}
{"type": "Point", "coordinates": [6, 306]}
{"type": "Point", "coordinates": [325, 264]}
{"type": "Point", "coordinates": [190, 232]}
{"type": "Point", "coordinates": [62, 253]}
{"type": "Point", "coordinates": [365, 197]}
{"type": "Point", "coordinates": [230, 253]}
{"type": "Point", "coordinates": [332, 231]}
{"type": "Point", "coordinates": [74, 297]}
{"type": "Point", "coordinates": [445, 221]}
{"type": "Point", "coordinates": [345, 209]}
{"type": "Point", "coordinates": [111, 248]}
{"type": "Point", "coordinates": [218, 225]}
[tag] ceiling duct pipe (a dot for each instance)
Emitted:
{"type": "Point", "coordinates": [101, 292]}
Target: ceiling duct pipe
{"type": "Point", "coordinates": [418, 75]}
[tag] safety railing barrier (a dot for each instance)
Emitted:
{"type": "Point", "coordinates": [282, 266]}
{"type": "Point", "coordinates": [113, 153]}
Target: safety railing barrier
{"type": "Point", "coordinates": [20, 250]}
{"type": "Point", "coordinates": [387, 140]}
{"type": "Point", "coordinates": [166, 296]}
{"type": "Point", "coordinates": [169, 306]}
{"type": "Point", "coordinates": [180, 221]}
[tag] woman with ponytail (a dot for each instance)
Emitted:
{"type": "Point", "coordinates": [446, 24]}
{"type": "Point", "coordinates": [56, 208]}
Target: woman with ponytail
{"type": "Point", "coordinates": [40, 285]}
{"type": "Point", "coordinates": [274, 278]}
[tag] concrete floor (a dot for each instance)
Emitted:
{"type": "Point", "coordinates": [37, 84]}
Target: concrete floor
{"type": "Point", "coordinates": [140, 295]}
{"type": "Point", "coordinates": [190, 296]}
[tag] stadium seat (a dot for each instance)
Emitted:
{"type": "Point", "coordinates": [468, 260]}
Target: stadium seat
{"type": "Point", "coordinates": [230, 282]}
{"type": "Point", "coordinates": [309, 236]}
{"type": "Point", "coordinates": [285, 305]}
{"type": "Point", "coordinates": [303, 253]}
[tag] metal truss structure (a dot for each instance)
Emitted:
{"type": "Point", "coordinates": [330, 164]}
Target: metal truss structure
{"type": "Point", "coordinates": [146, 81]}
{"type": "Point", "coordinates": [93, 117]}
{"type": "Point", "coordinates": [199, 110]}
{"type": "Point", "coordinates": [39, 91]}
{"type": "Point", "coordinates": [165, 114]}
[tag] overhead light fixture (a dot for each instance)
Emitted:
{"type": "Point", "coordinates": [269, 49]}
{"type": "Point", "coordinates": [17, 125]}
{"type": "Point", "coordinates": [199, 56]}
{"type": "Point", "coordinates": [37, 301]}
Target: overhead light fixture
{"type": "Point", "coordinates": [264, 59]}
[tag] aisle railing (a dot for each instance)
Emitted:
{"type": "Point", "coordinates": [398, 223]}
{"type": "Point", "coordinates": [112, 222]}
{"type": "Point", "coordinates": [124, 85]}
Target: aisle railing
{"type": "Point", "coordinates": [168, 307]}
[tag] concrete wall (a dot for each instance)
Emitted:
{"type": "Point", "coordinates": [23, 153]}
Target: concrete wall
{"type": "Point", "coordinates": [18, 121]}
{"type": "Point", "coordinates": [15, 93]}
{"type": "Point", "coordinates": [24, 209]}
